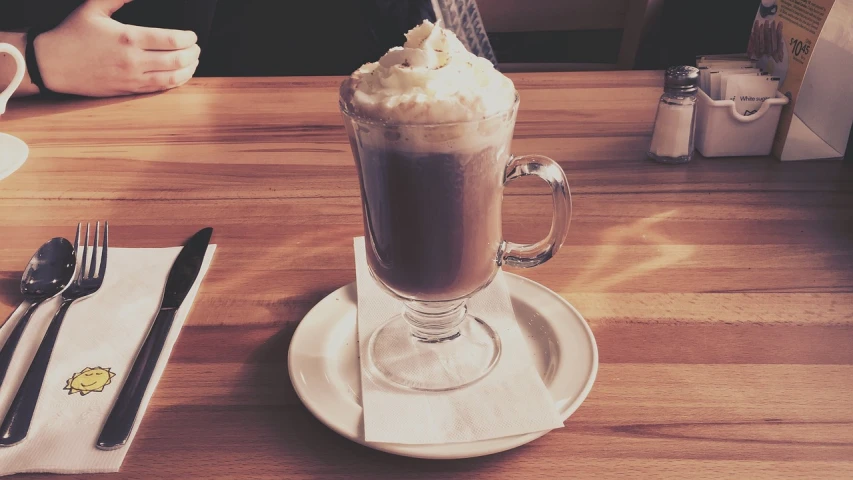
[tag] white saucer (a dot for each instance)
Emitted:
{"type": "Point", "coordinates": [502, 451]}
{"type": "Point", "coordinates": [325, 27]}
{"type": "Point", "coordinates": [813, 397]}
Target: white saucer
{"type": "Point", "coordinates": [324, 369]}
{"type": "Point", "coordinates": [13, 154]}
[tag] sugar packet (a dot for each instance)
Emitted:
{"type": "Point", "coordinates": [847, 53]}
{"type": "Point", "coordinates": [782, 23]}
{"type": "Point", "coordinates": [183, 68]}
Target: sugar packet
{"type": "Point", "coordinates": [716, 78]}
{"type": "Point", "coordinates": [706, 66]}
{"type": "Point", "coordinates": [726, 74]}
{"type": "Point", "coordinates": [750, 91]}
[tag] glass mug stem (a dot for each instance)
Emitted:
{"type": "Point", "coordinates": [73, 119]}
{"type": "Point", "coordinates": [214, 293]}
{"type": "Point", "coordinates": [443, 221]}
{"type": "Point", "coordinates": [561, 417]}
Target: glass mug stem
{"type": "Point", "coordinates": [434, 322]}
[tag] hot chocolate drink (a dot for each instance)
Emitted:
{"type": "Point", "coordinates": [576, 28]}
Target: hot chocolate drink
{"type": "Point", "coordinates": [432, 219]}
{"type": "Point", "coordinates": [430, 127]}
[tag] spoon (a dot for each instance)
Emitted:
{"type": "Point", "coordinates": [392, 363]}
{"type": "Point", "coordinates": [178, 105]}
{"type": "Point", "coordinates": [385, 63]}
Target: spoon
{"type": "Point", "coordinates": [48, 273]}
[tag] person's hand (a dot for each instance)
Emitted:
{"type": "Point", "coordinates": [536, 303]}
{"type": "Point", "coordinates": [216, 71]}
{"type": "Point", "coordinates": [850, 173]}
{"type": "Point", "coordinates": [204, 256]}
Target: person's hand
{"type": "Point", "coordinates": [93, 55]}
{"type": "Point", "coordinates": [779, 53]}
{"type": "Point", "coordinates": [766, 39]}
{"type": "Point", "coordinates": [752, 46]}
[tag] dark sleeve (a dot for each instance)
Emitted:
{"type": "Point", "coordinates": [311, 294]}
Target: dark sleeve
{"type": "Point", "coordinates": [278, 37]}
{"type": "Point", "coordinates": [389, 20]}
{"type": "Point", "coordinates": [195, 15]}
{"type": "Point", "coordinates": [22, 14]}
{"type": "Point", "coordinates": [725, 27]}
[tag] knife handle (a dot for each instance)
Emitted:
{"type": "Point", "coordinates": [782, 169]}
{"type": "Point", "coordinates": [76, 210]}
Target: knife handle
{"type": "Point", "coordinates": [123, 415]}
{"type": "Point", "coordinates": [8, 349]}
{"type": "Point", "coordinates": [18, 418]}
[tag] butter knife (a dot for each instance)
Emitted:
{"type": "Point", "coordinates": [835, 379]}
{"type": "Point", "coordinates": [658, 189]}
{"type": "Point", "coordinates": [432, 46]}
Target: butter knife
{"type": "Point", "coordinates": [181, 278]}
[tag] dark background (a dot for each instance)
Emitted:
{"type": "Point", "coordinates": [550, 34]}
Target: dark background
{"type": "Point", "coordinates": [686, 28]}
{"type": "Point", "coordinates": [334, 37]}
{"type": "Point", "coordinates": [258, 37]}
{"type": "Point", "coordinates": [323, 37]}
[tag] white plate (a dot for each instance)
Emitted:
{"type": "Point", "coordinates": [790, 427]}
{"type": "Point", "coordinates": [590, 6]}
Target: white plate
{"type": "Point", "coordinates": [13, 154]}
{"type": "Point", "coordinates": [324, 369]}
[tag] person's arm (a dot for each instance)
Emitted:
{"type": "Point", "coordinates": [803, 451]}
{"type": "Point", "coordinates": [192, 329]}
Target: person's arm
{"type": "Point", "coordinates": [7, 64]}
{"type": "Point", "coordinates": [91, 54]}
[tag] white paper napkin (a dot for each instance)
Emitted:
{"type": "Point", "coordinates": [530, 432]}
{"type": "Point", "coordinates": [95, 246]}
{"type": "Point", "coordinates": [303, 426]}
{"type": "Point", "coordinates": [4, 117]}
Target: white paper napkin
{"type": "Point", "coordinates": [511, 400]}
{"type": "Point", "coordinates": [103, 334]}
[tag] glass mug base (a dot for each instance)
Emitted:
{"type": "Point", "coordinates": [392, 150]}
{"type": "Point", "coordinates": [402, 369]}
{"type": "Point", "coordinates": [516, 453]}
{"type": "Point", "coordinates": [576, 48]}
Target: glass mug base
{"type": "Point", "coordinates": [416, 350]}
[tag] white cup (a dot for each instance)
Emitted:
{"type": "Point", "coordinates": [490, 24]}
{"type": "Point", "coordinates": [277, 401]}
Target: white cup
{"type": "Point", "coordinates": [13, 151]}
{"type": "Point", "coordinates": [21, 66]}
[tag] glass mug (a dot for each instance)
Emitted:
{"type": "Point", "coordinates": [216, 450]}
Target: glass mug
{"type": "Point", "coordinates": [431, 200]}
{"type": "Point", "coordinates": [13, 152]}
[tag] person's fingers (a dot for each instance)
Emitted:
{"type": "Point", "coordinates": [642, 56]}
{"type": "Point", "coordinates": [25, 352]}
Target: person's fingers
{"type": "Point", "coordinates": [779, 55]}
{"type": "Point", "coordinates": [106, 7]}
{"type": "Point", "coordinates": [767, 36]}
{"type": "Point", "coordinates": [148, 38]}
{"type": "Point", "coordinates": [159, 61]}
{"type": "Point", "coordinates": [761, 39]}
{"type": "Point", "coordinates": [766, 33]}
{"type": "Point", "coordinates": [758, 40]}
{"type": "Point", "coordinates": [764, 43]}
{"type": "Point", "coordinates": [754, 38]}
{"type": "Point", "coordinates": [777, 44]}
{"type": "Point", "coordinates": [750, 48]}
{"type": "Point", "coordinates": [158, 81]}
{"type": "Point", "coordinates": [772, 32]}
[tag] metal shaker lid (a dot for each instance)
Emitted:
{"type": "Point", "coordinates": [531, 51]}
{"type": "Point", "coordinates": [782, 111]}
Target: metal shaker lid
{"type": "Point", "coordinates": [681, 78]}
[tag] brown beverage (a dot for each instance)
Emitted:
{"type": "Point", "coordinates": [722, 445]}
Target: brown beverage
{"type": "Point", "coordinates": [432, 219]}
{"type": "Point", "coordinates": [430, 125]}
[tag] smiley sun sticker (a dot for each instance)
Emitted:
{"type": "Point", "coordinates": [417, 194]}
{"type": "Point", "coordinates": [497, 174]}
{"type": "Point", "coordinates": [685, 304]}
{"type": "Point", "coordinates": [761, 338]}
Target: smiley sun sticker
{"type": "Point", "coordinates": [89, 380]}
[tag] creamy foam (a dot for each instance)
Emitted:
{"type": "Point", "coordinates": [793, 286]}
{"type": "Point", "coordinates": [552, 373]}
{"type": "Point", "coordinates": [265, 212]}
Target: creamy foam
{"type": "Point", "coordinates": [431, 79]}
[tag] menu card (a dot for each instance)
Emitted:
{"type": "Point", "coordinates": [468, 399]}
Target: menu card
{"type": "Point", "coordinates": [808, 45]}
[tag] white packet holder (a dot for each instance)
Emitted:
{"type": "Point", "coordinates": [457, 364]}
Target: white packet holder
{"type": "Point", "coordinates": [722, 132]}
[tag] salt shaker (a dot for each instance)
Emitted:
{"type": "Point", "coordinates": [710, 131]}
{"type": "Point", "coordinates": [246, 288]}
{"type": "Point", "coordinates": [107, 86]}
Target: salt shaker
{"type": "Point", "coordinates": [672, 140]}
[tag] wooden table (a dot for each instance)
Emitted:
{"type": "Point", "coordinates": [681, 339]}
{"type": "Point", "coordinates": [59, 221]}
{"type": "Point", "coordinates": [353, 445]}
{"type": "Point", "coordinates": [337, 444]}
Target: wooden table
{"type": "Point", "coordinates": [720, 292]}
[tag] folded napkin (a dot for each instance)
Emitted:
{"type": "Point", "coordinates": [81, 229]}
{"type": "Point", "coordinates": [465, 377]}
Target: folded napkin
{"type": "Point", "coordinates": [100, 336]}
{"type": "Point", "coordinates": [510, 400]}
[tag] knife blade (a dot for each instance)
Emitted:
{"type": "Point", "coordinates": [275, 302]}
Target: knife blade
{"type": "Point", "coordinates": [181, 277]}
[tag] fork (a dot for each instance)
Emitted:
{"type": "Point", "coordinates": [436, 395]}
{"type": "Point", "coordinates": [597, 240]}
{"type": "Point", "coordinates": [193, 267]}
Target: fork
{"type": "Point", "coordinates": [16, 424]}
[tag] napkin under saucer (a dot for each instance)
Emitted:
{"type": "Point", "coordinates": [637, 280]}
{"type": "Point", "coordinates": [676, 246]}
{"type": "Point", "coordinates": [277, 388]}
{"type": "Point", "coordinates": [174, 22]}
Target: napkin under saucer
{"type": "Point", "coordinates": [511, 400]}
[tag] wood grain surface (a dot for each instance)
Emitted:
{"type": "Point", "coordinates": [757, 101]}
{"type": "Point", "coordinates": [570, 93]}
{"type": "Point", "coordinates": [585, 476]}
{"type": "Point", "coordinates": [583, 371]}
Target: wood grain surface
{"type": "Point", "coordinates": [720, 292]}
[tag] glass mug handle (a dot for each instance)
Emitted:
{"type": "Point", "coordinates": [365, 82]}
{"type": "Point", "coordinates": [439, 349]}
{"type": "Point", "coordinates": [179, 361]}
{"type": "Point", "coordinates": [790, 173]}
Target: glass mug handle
{"type": "Point", "coordinates": [526, 256]}
{"type": "Point", "coordinates": [21, 68]}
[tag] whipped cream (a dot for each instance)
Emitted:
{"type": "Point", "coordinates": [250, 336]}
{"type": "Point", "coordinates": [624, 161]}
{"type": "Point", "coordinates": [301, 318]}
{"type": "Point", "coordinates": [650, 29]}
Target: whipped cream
{"type": "Point", "coordinates": [431, 79]}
